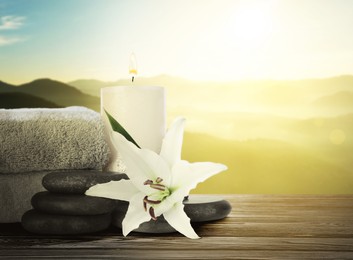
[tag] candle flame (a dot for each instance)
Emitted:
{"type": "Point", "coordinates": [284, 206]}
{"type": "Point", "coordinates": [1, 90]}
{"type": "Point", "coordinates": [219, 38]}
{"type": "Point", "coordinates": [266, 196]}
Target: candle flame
{"type": "Point", "coordinates": [133, 66]}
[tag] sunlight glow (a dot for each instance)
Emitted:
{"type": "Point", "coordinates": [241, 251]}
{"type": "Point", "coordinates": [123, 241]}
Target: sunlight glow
{"type": "Point", "coordinates": [219, 40]}
{"type": "Point", "coordinates": [251, 24]}
{"type": "Point", "coordinates": [249, 30]}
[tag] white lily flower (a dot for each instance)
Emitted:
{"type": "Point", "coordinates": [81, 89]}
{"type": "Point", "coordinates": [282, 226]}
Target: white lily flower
{"type": "Point", "coordinates": [157, 183]}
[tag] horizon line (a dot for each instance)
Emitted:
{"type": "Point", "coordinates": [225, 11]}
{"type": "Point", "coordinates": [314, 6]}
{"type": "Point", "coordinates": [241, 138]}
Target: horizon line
{"type": "Point", "coordinates": [180, 78]}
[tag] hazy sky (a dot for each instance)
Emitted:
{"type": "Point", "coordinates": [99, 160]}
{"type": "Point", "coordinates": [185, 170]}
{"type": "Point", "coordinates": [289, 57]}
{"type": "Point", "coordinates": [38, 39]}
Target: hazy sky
{"type": "Point", "coordinates": [198, 39]}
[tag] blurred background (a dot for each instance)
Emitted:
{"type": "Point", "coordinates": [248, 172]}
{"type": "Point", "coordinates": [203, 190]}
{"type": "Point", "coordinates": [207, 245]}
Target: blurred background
{"type": "Point", "coordinates": [266, 86]}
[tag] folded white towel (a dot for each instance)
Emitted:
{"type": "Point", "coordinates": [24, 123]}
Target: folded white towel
{"type": "Point", "coordinates": [51, 139]}
{"type": "Point", "coordinates": [16, 192]}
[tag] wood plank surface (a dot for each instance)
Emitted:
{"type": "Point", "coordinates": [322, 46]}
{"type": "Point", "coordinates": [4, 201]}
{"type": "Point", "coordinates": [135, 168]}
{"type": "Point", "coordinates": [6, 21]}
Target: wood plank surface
{"type": "Point", "coordinates": [259, 227]}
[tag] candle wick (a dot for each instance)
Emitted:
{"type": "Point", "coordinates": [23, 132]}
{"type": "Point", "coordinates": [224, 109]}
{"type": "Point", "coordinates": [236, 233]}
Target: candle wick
{"type": "Point", "coordinates": [132, 79]}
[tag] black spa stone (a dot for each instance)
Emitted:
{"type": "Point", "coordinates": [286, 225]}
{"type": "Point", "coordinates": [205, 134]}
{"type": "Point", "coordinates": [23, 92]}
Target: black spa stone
{"type": "Point", "coordinates": [78, 181]}
{"type": "Point", "coordinates": [42, 223]}
{"type": "Point", "coordinates": [71, 204]}
{"type": "Point", "coordinates": [206, 208]}
{"type": "Point", "coordinates": [197, 208]}
{"type": "Point", "coordinates": [159, 226]}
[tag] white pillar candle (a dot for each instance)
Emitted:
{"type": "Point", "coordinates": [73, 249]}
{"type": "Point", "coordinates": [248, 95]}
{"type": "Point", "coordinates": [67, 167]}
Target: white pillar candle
{"type": "Point", "coordinates": [141, 111]}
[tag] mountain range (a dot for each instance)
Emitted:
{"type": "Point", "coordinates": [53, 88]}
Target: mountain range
{"type": "Point", "coordinates": [236, 110]}
{"type": "Point", "coordinates": [21, 100]}
{"type": "Point", "coordinates": [268, 166]}
{"type": "Point", "coordinates": [45, 93]}
{"type": "Point", "coordinates": [274, 136]}
{"type": "Point", "coordinates": [296, 98]}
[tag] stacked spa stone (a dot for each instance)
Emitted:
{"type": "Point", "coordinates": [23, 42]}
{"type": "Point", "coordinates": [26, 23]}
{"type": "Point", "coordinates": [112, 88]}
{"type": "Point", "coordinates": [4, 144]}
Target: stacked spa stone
{"type": "Point", "coordinates": [65, 209]}
{"type": "Point", "coordinates": [199, 209]}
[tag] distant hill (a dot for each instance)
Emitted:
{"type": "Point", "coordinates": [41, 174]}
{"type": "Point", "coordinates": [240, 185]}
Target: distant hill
{"type": "Point", "coordinates": [328, 85]}
{"type": "Point", "coordinates": [310, 86]}
{"type": "Point", "coordinates": [339, 99]}
{"type": "Point", "coordinates": [90, 86]}
{"type": "Point", "coordinates": [287, 98]}
{"type": "Point", "coordinates": [22, 100]}
{"type": "Point", "coordinates": [55, 92]}
{"type": "Point", "coordinates": [269, 166]}
{"type": "Point", "coordinates": [281, 97]}
{"type": "Point", "coordinates": [5, 87]}
{"type": "Point", "coordinates": [337, 103]}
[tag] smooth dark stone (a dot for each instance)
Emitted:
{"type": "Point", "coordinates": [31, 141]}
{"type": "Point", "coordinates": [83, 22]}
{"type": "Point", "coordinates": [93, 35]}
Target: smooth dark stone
{"type": "Point", "coordinates": [78, 181]}
{"type": "Point", "coordinates": [121, 206]}
{"type": "Point", "coordinates": [206, 208]}
{"type": "Point", "coordinates": [197, 208]}
{"type": "Point", "coordinates": [158, 226]}
{"type": "Point", "coordinates": [41, 223]}
{"type": "Point", "coordinates": [71, 204]}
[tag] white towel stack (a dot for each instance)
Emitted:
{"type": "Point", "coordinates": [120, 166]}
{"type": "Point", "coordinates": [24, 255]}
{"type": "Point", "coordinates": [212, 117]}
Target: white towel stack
{"type": "Point", "coordinates": [35, 141]}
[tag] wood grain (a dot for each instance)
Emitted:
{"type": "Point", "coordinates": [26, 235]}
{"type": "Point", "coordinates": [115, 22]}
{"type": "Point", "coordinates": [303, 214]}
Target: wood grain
{"type": "Point", "coordinates": [259, 227]}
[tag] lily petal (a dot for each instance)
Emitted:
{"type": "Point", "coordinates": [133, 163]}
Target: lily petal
{"type": "Point", "coordinates": [177, 218]}
{"type": "Point", "coordinates": [173, 141]}
{"type": "Point", "coordinates": [141, 164]}
{"type": "Point", "coordinates": [187, 175]}
{"type": "Point", "coordinates": [117, 190]}
{"type": "Point", "coordinates": [135, 214]}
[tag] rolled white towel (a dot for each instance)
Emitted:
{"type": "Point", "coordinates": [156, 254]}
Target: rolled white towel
{"type": "Point", "coordinates": [51, 139]}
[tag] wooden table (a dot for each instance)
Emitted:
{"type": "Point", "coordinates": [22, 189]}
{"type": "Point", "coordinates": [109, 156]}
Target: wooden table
{"type": "Point", "coordinates": [259, 227]}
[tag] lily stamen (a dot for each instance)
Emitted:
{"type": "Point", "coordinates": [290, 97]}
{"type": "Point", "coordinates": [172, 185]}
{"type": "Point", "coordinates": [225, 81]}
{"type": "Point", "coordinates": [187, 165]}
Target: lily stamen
{"type": "Point", "coordinates": [154, 202]}
{"type": "Point", "coordinates": [145, 203]}
{"type": "Point", "coordinates": [148, 182]}
{"type": "Point", "coordinates": [158, 186]}
{"type": "Point", "coordinates": [151, 211]}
